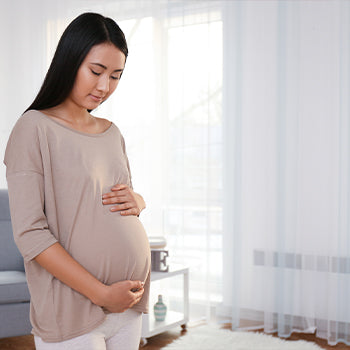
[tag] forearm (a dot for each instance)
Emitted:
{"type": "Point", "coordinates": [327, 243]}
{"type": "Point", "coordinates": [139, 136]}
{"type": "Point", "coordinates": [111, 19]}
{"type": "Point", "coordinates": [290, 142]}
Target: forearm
{"type": "Point", "coordinates": [116, 297]}
{"type": "Point", "coordinates": [60, 264]}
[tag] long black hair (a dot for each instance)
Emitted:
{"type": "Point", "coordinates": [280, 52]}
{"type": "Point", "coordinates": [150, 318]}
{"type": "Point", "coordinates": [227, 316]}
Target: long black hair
{"type": "Point", "coordinates": [84, 32]}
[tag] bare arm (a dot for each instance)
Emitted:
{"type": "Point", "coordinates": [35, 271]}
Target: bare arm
{"type": "Point", "coordinates": [117, 297]}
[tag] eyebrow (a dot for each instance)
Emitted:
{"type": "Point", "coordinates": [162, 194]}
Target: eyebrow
{"type": "Point", "coordinates": [104, 67]}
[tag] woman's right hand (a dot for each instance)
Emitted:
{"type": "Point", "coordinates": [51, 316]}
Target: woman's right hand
{"type": "Point", "coordinates": [120, 296]}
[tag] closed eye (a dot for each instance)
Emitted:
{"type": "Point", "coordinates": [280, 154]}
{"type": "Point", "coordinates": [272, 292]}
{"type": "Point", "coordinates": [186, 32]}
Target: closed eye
{"type": "Point", "coordinates": [93, 72]}
{"type": "Point", "coordinates": [98, 74]}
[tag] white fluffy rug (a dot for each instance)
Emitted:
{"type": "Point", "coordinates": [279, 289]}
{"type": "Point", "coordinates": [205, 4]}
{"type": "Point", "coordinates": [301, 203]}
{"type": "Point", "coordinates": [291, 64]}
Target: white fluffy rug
{"type": "Point", "coordinates": [214, 338]}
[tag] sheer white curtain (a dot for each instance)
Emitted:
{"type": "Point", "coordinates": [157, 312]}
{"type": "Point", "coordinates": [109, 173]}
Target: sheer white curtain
{"type": "Point", "coordinates": [287, 250]}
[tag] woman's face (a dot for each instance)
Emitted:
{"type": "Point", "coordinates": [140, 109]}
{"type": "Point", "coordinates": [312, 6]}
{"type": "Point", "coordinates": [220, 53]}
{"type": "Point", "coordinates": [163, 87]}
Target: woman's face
{"type": "Point", "coordinates": [98, 76]}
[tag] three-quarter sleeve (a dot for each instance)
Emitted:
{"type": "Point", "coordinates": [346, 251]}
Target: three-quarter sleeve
{"type": "Point", "coordinates": [25, 179]}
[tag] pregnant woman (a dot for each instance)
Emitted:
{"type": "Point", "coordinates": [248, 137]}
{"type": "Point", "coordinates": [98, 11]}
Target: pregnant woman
{"type": "Point", "coordinates": [74, 212]}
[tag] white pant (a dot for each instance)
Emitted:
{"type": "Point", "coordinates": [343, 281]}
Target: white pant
{"type": "Point", "coordinates": [120, 331]}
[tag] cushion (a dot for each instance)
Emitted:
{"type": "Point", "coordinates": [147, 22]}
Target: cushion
{"type": "Point", "coordinates": [10, 257]}
{"type": "Point", "coordinates": [4, 205]}
{"type": "Point", "coordinates": [13, 287]}
{"type": "Point", "coordinates": [14, 321]}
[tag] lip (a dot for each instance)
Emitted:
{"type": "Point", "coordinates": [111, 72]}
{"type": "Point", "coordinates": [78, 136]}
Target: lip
{"type": "Point", "coordinates": [96, 98]}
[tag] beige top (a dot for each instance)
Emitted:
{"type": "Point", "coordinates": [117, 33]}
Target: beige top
{"type": "Point", "coordinates": [56, 177]}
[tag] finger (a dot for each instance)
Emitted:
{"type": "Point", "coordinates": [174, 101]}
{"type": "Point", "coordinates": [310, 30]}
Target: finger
{"type": "Point", "coordinates": [124, 193]}
{"type": "Point", "coordinates": [138, 295]}
{"type": "Point", "coordinates": [115, 200]}
{"type": "Point", "coordinates": [119, 187]}
{"type": "Point", "coordinates": [120, 207]}
{"type": "Point", "coordinates": [109, 194]}
{"type": "Point", "coordinates": [122, 198]}
{"type": "Point", "coordinates": [131, 211]}
{"type": "Point", "coordinates": [114, 189]}
{"type": "Point", "coordinates": [135, 284]}
{"type": "Point", "coordinates": [108, 200]}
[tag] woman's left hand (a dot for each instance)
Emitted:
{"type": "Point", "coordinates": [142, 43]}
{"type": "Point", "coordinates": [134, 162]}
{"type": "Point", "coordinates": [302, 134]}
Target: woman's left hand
{"type": "Point", "coordinates": [127, 201]}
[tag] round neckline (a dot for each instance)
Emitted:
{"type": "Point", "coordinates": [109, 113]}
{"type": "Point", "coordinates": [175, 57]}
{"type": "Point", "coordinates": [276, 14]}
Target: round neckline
{"type": "Point", "coordinates": [75, 130]}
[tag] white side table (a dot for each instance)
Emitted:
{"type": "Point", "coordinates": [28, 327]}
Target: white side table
{"type": "Point", "coordinates": [150, 326]}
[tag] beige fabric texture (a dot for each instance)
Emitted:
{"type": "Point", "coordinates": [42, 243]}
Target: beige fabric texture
{"type": "Point", "coordinates": [56, 177]}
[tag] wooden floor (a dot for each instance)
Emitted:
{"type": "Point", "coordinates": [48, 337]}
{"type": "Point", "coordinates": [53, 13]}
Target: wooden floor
{"type": "Point", "coordinates": [157, 342]}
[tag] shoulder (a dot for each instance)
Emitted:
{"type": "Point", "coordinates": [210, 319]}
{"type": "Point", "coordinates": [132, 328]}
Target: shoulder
{"type": "Point", "coordinates": [32, 116]}
{"type": "Point", "coordinates": [27, 131]}
{"type": "Point", "coordinates": [29, 121]}
{"type": "Point", "coordinates": [23, 144]}
{"type": "Point", "coordinates": [26, 125]}
{"type": "Point", "coordinates": [104, 124]}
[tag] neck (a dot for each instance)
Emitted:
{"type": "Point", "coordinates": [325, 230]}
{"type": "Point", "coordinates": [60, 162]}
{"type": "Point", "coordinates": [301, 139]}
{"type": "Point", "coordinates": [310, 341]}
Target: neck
{"type": "Point", "coordinates": [72, 113]}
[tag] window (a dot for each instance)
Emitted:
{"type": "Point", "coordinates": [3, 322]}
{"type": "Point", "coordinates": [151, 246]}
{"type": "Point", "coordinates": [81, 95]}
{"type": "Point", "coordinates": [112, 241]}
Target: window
{"type": "Point", "coordinates": [169, 108]}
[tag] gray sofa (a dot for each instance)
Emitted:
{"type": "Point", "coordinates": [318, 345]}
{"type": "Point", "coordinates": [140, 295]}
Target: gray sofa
{"type": "Point", "coordinates": [14, 294]}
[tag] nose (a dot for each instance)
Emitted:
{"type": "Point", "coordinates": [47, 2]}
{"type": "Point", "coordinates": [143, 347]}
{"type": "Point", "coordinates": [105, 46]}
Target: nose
{"type": "Point", "coordinates": [103, 84]}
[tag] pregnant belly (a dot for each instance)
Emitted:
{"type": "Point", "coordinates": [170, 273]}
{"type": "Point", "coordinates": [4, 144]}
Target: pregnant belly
{"type": "Point", "coordinates": [114, 248]}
